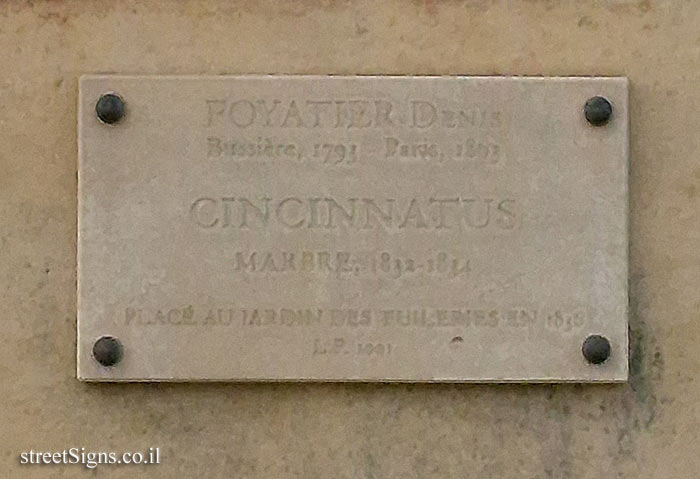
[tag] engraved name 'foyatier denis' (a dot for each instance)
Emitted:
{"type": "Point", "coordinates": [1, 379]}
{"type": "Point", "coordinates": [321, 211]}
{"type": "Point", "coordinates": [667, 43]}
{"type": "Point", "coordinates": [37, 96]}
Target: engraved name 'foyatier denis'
{"type": "Point", "coordinates": [354, 213]}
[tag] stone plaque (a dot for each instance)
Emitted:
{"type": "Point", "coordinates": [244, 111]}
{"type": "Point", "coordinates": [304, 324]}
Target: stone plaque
{"type": "Point", "coordinates": [377, 228]}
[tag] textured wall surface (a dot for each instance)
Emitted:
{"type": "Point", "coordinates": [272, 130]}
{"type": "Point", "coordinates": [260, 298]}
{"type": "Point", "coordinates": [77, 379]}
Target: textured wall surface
{"type": "Point", "coordinates": [644, 429]}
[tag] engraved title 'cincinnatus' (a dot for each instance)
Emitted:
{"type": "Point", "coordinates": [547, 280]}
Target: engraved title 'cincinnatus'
{"type": "Point", "coordinates": [354, 213]}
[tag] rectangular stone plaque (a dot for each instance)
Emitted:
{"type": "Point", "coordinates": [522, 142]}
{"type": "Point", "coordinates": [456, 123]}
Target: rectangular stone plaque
{"type": "Point", "coordinates": [376, 228]}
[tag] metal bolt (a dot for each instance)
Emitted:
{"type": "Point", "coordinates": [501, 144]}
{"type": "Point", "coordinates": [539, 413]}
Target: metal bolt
{"type": "Point", "coordinates": [110, 108]}
{"type": "Point", "coordinates": [596, 349]}
{"type": "Point", "coordinates": [107, 351]}
{"type": "Point", "coordinates": [598, 111]}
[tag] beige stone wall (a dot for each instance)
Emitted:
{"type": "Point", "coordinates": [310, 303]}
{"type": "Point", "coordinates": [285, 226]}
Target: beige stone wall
{"type": "Point", "coordinates": [646, 429]}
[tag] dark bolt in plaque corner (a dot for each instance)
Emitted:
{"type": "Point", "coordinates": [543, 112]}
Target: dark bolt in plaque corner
{"type": "Point", "coordinates": [110, 108]}
{"type": "Point", "coordinates": [596, 349]}
{"type": "Point", "coordinates": [107, 351]}
{"type": "Point", "coordinates": [598, 110]}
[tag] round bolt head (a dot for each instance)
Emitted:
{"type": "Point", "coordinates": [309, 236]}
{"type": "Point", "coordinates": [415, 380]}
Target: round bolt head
{"type": "Point", "coordinates": [596, 349]}
{"type": "Point", "coordinates": [598, 111]}
{"type": "Point", "coordinates": [110, 108]}
{"type": "Point", "coordinates": [107, 351]}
